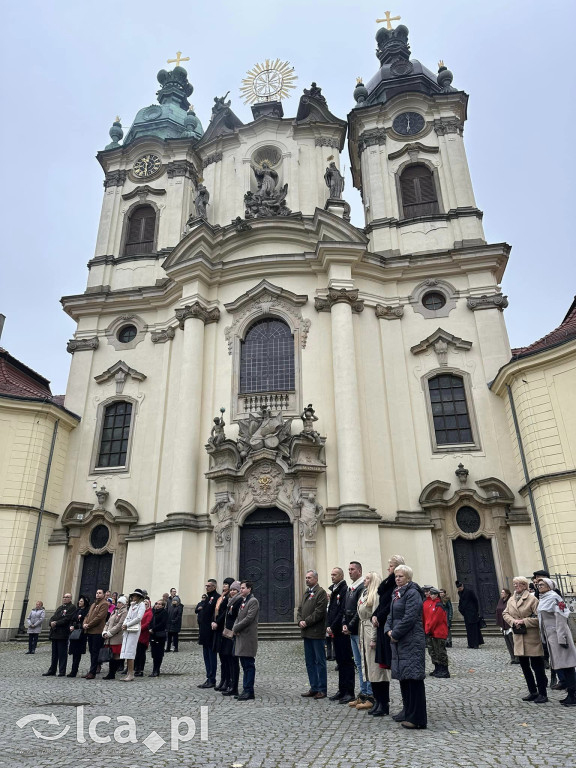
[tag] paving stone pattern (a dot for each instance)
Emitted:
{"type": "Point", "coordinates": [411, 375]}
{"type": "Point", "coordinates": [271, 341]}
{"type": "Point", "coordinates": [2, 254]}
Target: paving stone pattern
{"type": "Point", "coordinates": [476, 719]}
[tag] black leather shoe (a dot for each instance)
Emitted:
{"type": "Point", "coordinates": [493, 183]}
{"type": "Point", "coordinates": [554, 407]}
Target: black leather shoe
{"type": "Point", "coordinates": [346, 699]}
{"type": "Point", "coordinates": [48, 674]}
{"type": "Point", "coordinates": [541, 699]}
{"type": "Point", "coordinates": [230, 692]}
{"type": "Point", "coordinates": [154, 674]}
{"type": "Point", "coordinates": [138, 674]}
{"type": "Point", "coordinates": [375, 709]}
{"type": "Point", "coordinates": [245, 696]}
{"type": "Point", "coordinates": [337, 696]}
{"type": "Point", "coordinates": [61, 674]}
{"type": "Point", "coordinates": [399, 717]}
{"type": "Point", "coordinates": [205, 684]}
{"type": "Point", "coordinates": [71, 674]}
{"type": "Point", "coordinates": [530, 697]}
{"type": "Point", "coordinates": [221, 686]}
{"type": "Point", "coordinates": [384, 710]}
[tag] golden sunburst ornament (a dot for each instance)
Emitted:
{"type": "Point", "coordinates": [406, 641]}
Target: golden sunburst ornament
{"type": "Point", "coordinates": [270, 81]}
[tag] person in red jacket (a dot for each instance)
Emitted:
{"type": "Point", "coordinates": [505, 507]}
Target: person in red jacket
{"type": "Point", "coordinates": [143, 641]}
{"type": "Point", "coordinates": [436, 630]}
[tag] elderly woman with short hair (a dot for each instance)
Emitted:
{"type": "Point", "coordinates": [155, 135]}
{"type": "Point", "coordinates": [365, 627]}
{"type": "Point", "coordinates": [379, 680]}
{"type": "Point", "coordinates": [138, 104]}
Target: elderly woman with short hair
{"type": "Point", "coordinates": [405, 629]}
{"type": "Point", "coordinates": [553, 616]}
{"type": "Point", "coordinates": [520, 614]}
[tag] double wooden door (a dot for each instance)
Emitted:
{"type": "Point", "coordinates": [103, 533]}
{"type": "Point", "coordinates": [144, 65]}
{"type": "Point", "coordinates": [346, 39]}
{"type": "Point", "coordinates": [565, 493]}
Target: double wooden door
{"type": "Point", "coordinates": [475, 569]}
{"type": "Point", "coordinates": [96, 571]}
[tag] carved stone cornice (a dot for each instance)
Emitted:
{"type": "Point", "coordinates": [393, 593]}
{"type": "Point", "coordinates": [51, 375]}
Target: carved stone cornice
{"type": "Point", "coordinates": [197, 311]}
{"type": "Point", "coordinates": [448, 125]}
{"type": "Point", "coordinates": [440, 341]}
{"type": "Point", "coordinates": [115, 178]}
{"type": "Point", "coordinates": [142, 192]}
{"type": "Point", "coordinates": [162, 336]}
{"type": "Point", "coordinates": [119, 372]}
{"type": "Point", "coordinates": [213, 158]}
{"type": "Point", "coordinates": [388, 312]}
{"type": "Point", "coordinates": [339, 296]}
{"type": "Point", "coordinates": [82, 345]}
{"type": "Point", "coordinates": [182, 168]}
{"type": "Point", "coordinates": [495, 301]}
{"type": "Point", "coordinates": [371, 138]}
{"type": "Point", "coordinates": [320, 141]}
{"type": "Point", "coordinates": [415, 146]}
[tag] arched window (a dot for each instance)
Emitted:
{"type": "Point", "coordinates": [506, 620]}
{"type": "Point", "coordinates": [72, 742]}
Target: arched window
{"type": "Point", "coordinates": [140, 231]}
{"type": "Point", "coordinates": [450, 411]}
{"type": "Point", "coordinates": [267, 358]}
{"type": "Point", "coordinates": [116, 422]}
{"type": "Point", "coordinates": [418, 191]}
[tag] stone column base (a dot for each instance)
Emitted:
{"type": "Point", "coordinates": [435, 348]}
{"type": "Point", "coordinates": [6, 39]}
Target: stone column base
{"type": "Point", "coordinates": [356, 513]}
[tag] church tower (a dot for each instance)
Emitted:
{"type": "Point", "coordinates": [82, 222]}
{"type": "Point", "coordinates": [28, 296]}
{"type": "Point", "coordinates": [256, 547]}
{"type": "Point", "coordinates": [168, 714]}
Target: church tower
{"type": "Point", "coordinates": [266, 388]}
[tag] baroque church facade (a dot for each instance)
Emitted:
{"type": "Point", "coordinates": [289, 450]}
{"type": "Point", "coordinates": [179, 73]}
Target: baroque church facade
{"type": "Point", "coordinates": [264, 387]}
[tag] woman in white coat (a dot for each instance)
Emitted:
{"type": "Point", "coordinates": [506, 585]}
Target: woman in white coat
{"type": "Point", "coordinates": [132, 627]}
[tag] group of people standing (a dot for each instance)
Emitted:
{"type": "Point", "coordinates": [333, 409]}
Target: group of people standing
{"type": "Point", "coordinates": [115, 629]}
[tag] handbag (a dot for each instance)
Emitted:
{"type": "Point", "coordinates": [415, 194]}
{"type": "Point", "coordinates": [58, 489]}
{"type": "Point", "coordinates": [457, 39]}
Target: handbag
{"type": "Point", "coordinates": [75, 634]}
{"type": "Point", "coordinates": [228, 634]}
{"type": "Point", "coordinates": [520, 629]}
{"type": "Point", "coordinates": [134, 628]}
{"type": "Point", "coordinates": [105, 655]}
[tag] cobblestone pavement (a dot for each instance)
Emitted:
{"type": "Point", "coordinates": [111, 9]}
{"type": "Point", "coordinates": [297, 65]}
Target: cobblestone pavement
{"type": "Point", "coordinates": [476, 719]}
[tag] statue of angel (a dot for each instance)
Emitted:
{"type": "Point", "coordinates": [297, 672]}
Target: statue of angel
{"type": "Point", "coordinates": [267, 179]}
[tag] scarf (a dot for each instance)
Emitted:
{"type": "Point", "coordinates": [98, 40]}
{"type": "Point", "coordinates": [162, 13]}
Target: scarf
{"type": "Point", "coordinates": [552, 602]}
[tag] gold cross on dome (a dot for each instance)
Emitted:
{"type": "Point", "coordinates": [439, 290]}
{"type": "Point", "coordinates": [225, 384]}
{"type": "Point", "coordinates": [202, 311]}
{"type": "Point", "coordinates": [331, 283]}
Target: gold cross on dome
{"type": "Point", "coordinates": [388, 19]}
{"type": "Point", "coordinates": [178, 59]}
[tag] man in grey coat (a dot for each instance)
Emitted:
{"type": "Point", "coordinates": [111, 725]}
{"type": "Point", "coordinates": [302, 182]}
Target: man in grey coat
{"type": "Point", "coordinates": [245, 631]}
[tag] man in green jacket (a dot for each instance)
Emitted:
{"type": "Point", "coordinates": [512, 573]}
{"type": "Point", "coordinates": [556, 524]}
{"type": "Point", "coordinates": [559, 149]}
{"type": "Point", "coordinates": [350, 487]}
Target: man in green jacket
{"type": "Point", "coordinates": [311, 618]}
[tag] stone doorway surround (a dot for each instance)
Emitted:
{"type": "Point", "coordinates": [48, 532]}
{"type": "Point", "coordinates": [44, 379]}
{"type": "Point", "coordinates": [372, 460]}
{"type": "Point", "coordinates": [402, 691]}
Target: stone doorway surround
{"type": "Point", "coordinates": [492, 505]}
{"type": "Point", "coordinates": [267, 466]}
{"type": "Point", "coordinates": [79, 520]}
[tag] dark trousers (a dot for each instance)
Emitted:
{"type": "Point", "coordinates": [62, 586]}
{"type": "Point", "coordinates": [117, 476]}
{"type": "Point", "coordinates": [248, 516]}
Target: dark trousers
{"type": "Point", "coordinates": [249, 670]}
{"type": "Point", "coordinates": [32, 642]}
{"type": "Point", "coordinates": [509, 639]}
{"type": "Point", "coordinates": [76, 657]}
{"type": "Point", "coordinates": [473, 634]}
{"type": "Point", "coordinates": [172, 640]}
{"type": "Point", "coordinates": [95, 643]}
{"type": "Point", "coordinates": [329, 649]}
{"type": "Point", "coordinates": [345, 661]}
{"type": "Point", "coordinates": [569, 675]}
{"type": "Point", "coordinates": [210, 662]}
{"type": "Point", "coordinates": [537, 663]}
{"type": "Point", "coordinates": [234, 663]}
{"type": "Point", "coordinates": [381, 692]}
{"type": "Point", "coordinates": [59, 656]}
{"type": "Point", "coordinates": [315, 656]}
{"type": "Point", "coordinates": [140, 658]}
{"type": "Point", "coordinates": [414, 701]}
{"type": "Point", "coordinates": [225, 669]}
{"type": "Point", "coordinates": [157, 651]}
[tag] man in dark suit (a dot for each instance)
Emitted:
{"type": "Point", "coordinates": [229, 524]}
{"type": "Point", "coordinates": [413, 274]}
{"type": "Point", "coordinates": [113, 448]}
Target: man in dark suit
{"type": "Point", "coordinates": [59, 632]}
{"type": "Point", "coordinates": [342, 646]}
{"type": "Point", "coordinates": [311, 618]}
{"type": "Point", "coordinates": [205, 615]}
{"type": "Point", "coordinates": [469, 607]}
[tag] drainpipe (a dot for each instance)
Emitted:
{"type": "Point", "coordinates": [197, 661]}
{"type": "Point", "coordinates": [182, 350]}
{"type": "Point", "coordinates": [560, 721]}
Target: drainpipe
{"type": "Point", "coordinates": [527, 479]}
{"type": "Point", "coordinates": [38, 526]}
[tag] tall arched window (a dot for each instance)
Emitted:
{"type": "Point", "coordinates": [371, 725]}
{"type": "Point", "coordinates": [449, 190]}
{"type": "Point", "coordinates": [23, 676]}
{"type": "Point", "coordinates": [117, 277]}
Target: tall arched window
{"type": "Point", "coordinates": [116, 422]}
{"type": "Point", "coordinates": [267, 358]}
{"type": "Point", "coordinates": [418, 191]}
{"type": "Point", "coordinates": [450, 411]}
{"type": "Point", "coordinates": [140, 231]}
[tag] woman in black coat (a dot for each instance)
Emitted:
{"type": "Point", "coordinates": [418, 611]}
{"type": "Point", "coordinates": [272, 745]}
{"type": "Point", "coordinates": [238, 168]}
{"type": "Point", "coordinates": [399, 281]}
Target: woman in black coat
{"type": "Point", "coordinates": [405, 629]}
{"type": "Point", "coordinates": [385, 590]}
{"type": "Point", "coordinates": [158, 631]}
{"type": "Point", "coordinates": [227, 643]}
{"type": "Point", "coordinates": [77, 647]}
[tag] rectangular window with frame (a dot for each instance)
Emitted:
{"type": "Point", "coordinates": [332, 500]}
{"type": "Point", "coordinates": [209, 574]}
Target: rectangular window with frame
{"type": "Point", "coordinates": [115, 435]}
{"type": "Point", "coordinates": [450, 414]}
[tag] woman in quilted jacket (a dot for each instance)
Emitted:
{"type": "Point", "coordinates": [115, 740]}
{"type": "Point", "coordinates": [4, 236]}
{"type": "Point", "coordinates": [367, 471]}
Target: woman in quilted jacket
{"type": "Point", "coordinates": [405, 629]}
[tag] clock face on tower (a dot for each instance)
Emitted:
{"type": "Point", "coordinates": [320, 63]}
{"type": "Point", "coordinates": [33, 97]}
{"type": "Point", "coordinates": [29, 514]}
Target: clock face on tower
{"type": "Point", "coordinates": [146, 166]}
{"type": "Point", "coordinates": [408, 123]}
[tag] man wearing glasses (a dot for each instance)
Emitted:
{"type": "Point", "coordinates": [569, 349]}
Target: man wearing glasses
{"type": "Point", "coordinates": [59, 631]}
{"type": "Point", "coordinates": [205, 614]}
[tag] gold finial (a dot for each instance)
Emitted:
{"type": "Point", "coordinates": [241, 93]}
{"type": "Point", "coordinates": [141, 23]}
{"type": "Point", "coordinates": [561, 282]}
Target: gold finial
{"type": "Point", "coordinates": [178, 59]}
{"type": "Point", "coordinates": [440, 64]}
{"type": "Point", "coordinates": [117, 119]}
{"type": "Point", "coordinates": [388, 19]}
{"type": "Point", "coordinates": [359, 81]}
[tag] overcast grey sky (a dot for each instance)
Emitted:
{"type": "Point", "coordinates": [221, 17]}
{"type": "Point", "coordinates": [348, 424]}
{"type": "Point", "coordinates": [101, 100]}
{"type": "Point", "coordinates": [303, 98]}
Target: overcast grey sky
{"type": "Point", "coordinates": [70, 66]}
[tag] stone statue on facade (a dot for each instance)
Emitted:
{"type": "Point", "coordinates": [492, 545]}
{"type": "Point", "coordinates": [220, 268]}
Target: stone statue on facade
{"type": "Point", "coordinates": [334, 181]}
{"type": "Point", "coordinates": [264, 430]}
{"type": "Point", "coordinates": [267, 179]}
{"type": "Point", "coordinates": [223, 510]}
{"type": "Point", "coordinates": [201, 201]}
{"type": "Point", "coordinates": [220, 103]}
{"type": "Point", "coordinates": [217, 435]}
{"type": "Point", "coordinates": [314, 93]}
{"type": "Point", "coordinates": [101, 496]}
{"type": "Point", "coordinates": [308, 417]}
{"type": "Point", "coordinates": [310, 514]}
{"type": "Point", "coordinates": [269, 200]}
